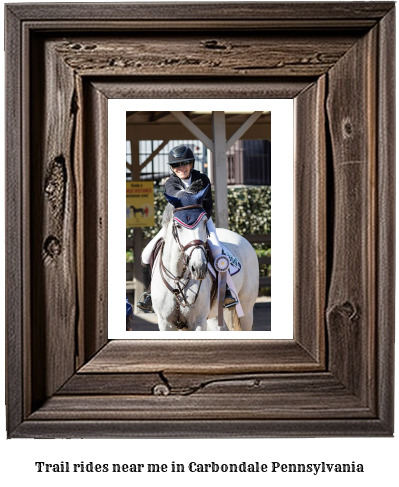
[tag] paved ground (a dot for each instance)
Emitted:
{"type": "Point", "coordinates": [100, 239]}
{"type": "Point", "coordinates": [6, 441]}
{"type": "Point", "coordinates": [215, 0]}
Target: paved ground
{"type": "Point", "coordinates": [262, 318]}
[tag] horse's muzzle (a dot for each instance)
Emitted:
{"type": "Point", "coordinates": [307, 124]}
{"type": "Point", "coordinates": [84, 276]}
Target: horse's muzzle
{"type": "Point", "coordinates": [199, 271]}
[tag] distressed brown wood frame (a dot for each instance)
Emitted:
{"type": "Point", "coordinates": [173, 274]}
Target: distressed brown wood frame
{"type": "Point", "coordinates": [63, 62]}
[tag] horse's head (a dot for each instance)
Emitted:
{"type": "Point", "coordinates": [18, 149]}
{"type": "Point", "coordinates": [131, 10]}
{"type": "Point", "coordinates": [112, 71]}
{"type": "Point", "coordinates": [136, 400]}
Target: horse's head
{"type": "Point", "coordinates": [189, 229]}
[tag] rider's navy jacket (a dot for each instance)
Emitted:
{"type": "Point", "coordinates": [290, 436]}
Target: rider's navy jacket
{"type": "Point", "coordinates": [174, 184]}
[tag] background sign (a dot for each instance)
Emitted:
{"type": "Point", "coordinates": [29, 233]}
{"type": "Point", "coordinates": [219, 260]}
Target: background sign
{"type": "Point", "coordinates": [140, 204]}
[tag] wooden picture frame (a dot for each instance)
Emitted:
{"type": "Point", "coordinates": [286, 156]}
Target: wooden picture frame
{"type": "Point", "coordinates": [335, 378]}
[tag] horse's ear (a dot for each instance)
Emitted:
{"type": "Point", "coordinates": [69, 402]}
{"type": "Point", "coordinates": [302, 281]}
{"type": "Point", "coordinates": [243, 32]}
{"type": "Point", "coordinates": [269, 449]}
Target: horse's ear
{"type": "Point", "coordinates": [176, 202]}
{"type": "Point", "coordinates": [199, 196]}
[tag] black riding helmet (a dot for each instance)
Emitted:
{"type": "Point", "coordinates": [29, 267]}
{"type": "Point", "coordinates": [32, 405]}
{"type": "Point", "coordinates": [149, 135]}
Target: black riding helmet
{"type": "Point", "coordinates": [181, 153]}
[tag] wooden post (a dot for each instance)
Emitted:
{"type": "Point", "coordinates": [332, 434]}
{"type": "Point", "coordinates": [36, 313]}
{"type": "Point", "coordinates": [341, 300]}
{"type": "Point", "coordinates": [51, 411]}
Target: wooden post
{"type": "Point", "coordinates": [219, 169]}
{"type": "Point", "coordinates": [138, 232]}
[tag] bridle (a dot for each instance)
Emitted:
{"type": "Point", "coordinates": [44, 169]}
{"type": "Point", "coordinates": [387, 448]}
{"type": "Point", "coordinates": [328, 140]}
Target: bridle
{"type": "Point", "coordinates": [181, 282]}
{"type": "Point", "coordinates": [194, 243]}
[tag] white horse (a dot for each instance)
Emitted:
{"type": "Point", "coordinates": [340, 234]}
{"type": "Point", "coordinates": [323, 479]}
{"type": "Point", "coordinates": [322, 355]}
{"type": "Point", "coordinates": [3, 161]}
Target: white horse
{"type": "Point", "coordinates": [181, 282]}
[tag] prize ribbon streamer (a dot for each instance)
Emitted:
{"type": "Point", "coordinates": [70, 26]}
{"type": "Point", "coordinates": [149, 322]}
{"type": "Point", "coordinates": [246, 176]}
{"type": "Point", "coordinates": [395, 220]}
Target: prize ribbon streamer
{"type": "Point", "coordinates": [222, 265]}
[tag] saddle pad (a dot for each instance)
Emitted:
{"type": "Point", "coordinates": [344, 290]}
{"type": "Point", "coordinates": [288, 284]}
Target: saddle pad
{"type": "Point", "coordinates": [235, 264]}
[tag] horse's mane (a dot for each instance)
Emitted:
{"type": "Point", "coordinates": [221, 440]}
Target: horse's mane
{"type": "Point", "coordinates": [194, 188]}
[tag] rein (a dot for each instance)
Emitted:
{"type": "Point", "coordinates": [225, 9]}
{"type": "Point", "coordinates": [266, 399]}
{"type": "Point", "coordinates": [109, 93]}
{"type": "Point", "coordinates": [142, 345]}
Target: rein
{"type": "Point", "coordinates": [181, 282]}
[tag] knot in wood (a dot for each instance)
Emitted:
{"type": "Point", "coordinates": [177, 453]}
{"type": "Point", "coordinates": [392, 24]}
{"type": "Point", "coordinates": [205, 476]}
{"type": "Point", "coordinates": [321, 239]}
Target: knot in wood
{"type": "Point", "coordinates": [55, 181]}
{"type": "Point", "coordinates": [346, 310]}
{"type": "Point", "coordinates": [349, 310]}
{"type": "Point", "coordinates": [347, 128]}
{"type": "Point", "coordinates": [50, 189]}
{"type": "Point", "coordinates": [90, 47]}
{"type": "Point", "coordinates": [52, 246]}
{"type": "Point", "coordinates": [161, 390]}
{"type": "Point", "coordinates": [213, 44]}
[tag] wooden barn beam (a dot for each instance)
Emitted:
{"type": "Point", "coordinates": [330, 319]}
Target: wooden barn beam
{"type": "Point", "coordinates": [153, 154]}
{"type": "Point", "coordinates": [138, 232]}
{"type": "Point", "coordinates": [244, 127]}
{"type": "Point", "coordinates": [219, 169]}
{"type": "Point", "coordinates": [158, 116]}
{"type": "Point", "coordinates": [184, 120]}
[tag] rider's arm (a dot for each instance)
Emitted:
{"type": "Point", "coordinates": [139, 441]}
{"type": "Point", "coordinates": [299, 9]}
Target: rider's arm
{"type": "Point", "coordinates": [207, 202]}
{"type": "Point", "coordinates": [173, 185]}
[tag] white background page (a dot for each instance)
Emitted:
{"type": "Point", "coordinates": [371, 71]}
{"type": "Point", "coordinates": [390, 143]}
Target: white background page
{"type": "Point", "coordinates": [282, 212]}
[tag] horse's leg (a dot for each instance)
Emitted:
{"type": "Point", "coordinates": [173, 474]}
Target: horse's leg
{"type": "Point", "coordinates": [213, 325]}
{"type": "Point", "coordinates": [200, 327]}
{"type": "Point", "coordinates": [248, 318]}
{"type": "Point", "coordinates": [164, 325]}
{"type": "Point", "coordinates": [198, 324]}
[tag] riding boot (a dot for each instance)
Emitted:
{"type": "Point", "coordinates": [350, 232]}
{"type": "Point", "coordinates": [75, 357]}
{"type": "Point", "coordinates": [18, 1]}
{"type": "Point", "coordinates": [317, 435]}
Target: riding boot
{"type": "Point", "coordinates": [145, 302]}
{"type": "Point", "coordinates": [230, 299]}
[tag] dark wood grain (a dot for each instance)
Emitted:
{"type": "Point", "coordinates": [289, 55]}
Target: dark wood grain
{"type": "Point", "coordinates": [277, 11]}
{"type": "Point", "coordinates": [53, 212]}
{"type": "Point", "coordinates": [351, 306]}
{"type": "Point", "coordinates": [200, 356]}
{"type": "Point", "coordinates": [188, 428]}
{"type": "Point", "coordinates": [250, 406]}
{"type": "Point", "coordinates": [17, 299]}
{"type": "Point", "coordinates": [310, 200]}
{"type": "Point", "coordinates": [246, 55]}
{"type": "Point", "coordinates": [111, 384]}
{"type": "Point", "coordinates": [95, 202]}
{"type": "Point", "coordinates": [335, 376]}
{"type": "Point", "coordinates": [275, 386]}
{"type": "Point", "coordinates": [150, 87]}
{"type": "Point", "coordinates": [385, 271]}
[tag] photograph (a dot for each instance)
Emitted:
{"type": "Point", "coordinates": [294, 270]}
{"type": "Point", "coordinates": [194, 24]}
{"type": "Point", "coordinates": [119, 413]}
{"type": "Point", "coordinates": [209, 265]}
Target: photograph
{"type": "Point", "coordinates": [202, 210]}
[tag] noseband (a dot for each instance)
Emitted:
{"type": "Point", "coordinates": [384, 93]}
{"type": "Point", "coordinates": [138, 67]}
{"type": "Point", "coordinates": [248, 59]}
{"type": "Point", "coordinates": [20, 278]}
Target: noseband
{"type": "Point", "coordinates": [181, 284]}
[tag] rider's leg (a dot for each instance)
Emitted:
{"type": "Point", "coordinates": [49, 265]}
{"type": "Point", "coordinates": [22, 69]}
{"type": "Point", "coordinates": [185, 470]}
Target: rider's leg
{"type": "Point", "coordinates": [213, 240]}
{"type": "Point", "coordinates": [145, 302]}
{"type": "Point", "coordinates": [216, 249]}
{"type": "Point", "coordinates": [146, 254]}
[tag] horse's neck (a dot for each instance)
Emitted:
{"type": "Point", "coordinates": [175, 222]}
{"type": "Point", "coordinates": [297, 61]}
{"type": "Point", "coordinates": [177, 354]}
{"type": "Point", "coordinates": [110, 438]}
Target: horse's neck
{"type": "Point", "coordinates": [172, 256]}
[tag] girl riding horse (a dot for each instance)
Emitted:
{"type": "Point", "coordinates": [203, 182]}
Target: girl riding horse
{"type": "Point", "coordinates": [181, 162]}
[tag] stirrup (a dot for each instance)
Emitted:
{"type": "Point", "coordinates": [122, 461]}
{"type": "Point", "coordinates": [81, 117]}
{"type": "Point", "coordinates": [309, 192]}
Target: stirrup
{"type": "Point", "coordinates": [230, 299]}
{"type": "Point", "coordinates": [145, 304]}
